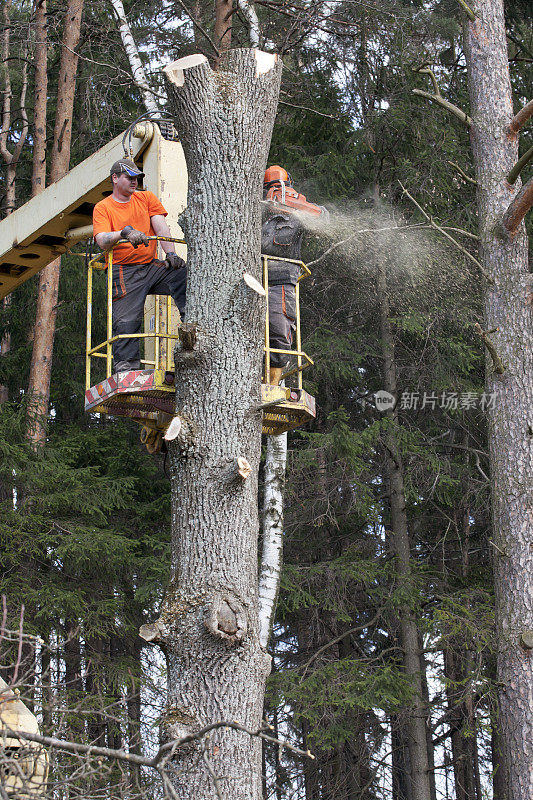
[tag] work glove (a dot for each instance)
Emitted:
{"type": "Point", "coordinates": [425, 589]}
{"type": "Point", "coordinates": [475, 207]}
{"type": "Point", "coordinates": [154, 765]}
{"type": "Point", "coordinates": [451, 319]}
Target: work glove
{"type": "Point", "coordinates": [174, 261]}
{"type": "Point", "coordinates": [134, 237]}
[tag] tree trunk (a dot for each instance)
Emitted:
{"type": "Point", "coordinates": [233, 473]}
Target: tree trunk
{"type": "Point", "coordinates": [508, 315]}
{"type": "Point", "coordinates": [401, 768]}
{"type": "Point", "coordinates": [38, 180]}
{"type": "Point", "coordinates": [416, 723]}
{"type": "Point", "coordinates": [217, 668]}
{"type": "Point", "coordinates": [271, 560]}
{"type": "Point", "coordinates": [136, 66]}
{"type": "Point", "coordinates": [223, 23]}
{"type": "Point", "coordinates": [45, 318]}
{"type": "Point", "coordinates": [11, 158]}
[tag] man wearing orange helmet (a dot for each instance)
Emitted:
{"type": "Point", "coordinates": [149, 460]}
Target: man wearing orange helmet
{"type": "Point", "coordinates": [281, 235]}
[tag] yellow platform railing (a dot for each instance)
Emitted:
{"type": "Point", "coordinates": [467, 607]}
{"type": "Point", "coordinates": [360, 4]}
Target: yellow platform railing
{"type": "Point", "coordinates": [103, 350]}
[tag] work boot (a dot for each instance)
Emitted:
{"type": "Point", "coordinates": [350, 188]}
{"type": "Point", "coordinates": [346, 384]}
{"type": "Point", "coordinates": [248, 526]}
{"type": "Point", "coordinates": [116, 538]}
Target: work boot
{"type": "Point", "coordinates": [275, 375]}
{"type": "Point", "coordinates": [127, 366]}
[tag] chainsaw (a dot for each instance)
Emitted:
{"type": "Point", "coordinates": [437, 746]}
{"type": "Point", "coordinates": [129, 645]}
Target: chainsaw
{"type": "Point", "coordinates": [278, 191]}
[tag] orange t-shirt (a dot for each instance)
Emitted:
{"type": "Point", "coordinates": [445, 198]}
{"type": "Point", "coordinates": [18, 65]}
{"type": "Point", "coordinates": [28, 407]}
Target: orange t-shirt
{"type": "Point", "coordinates": [110, 215]}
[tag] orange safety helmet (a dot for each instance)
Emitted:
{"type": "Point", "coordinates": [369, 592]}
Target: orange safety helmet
{"type": "Point", "coordinates": [276, 173]}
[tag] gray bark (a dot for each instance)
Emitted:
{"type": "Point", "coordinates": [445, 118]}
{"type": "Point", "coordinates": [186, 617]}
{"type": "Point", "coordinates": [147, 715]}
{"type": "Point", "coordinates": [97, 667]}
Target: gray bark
{"type": "Point", "coordinates": [507, 310]}
{"type": "Point", "coordinates": [217, 668]}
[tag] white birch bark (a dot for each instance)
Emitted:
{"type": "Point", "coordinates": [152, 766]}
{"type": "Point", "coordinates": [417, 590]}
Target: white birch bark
{"type": "Point", "coordinates": [254, 31]}
{"type": "Point", "coordinates": [137, 69]}
{"type": "Point", "coordinates": [269, 576]}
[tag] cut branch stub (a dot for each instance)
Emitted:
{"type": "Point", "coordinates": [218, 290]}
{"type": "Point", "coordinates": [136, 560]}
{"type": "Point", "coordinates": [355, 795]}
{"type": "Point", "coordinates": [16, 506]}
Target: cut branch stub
{"type": "Point", "coordinates": [243, 468]}
{"type": "Point", "coordinates": [152, 632]}
{"type": "Point", "coordinates": [188, 336]}
{"type": "Point", "coordinates": [181, 431]}
{"type": "Point", "coordinates": [226, 619]}
{"type": "Point", "coordinates": [526, 640]}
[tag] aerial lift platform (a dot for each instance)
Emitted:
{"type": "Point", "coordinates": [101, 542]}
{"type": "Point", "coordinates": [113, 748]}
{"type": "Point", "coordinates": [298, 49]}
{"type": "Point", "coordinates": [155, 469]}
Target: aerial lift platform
{"type": "Point", "coordinates": [61, 216]}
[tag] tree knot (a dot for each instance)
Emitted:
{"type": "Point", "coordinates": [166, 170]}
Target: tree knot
{"type": "Point", "coordinates": [226, 619]}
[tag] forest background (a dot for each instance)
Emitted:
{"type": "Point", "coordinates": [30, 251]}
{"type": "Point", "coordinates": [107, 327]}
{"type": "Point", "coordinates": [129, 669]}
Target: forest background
{"type": "Point", "coordinates": [85, 520]}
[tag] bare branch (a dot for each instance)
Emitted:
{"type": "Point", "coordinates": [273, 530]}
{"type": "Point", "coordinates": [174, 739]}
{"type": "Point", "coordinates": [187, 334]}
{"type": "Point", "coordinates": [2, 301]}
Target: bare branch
{"type": "Point", "coordinates": [214, 776]}
{"type": "Point", "coordinates": [358, 233]}
{"type": "Point", "coordinates": [338, 639]}
{"type": "Point", "coordinates": [468, 11]}
{"type": "Point", "coordinates": [462, 173]}
{"type": "Point", "coordinates": [306, 108]}
{"type": "Point", "coordinates": [447, 235]}
{"type": "Point", "coordinates": [428, 71]}
{"type": "Point", "coordinates": [520, 119]}
{"type": "Point", "coordinates": [133, 758]}
{"type": "Point", "coordinates": [197, 25]}
{"type": "Point", "coordinates": [457, 112]}
{"type": "Point", "coordinates": [518, 208]}
{"type": "Point", "coordinates": [519, 166]}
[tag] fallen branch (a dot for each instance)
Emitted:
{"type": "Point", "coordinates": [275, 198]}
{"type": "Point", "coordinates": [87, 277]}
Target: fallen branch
{"type": "Point", "coordinates": [518, 208]}
{"type": "Point", "coordinates": [441, 230]}
{"type": "Point", "coordinates": [499, 369]}
{"type": "Point", "coordinates": [520, 119]}
{"type": "Point", "coordinates": [519, 166]}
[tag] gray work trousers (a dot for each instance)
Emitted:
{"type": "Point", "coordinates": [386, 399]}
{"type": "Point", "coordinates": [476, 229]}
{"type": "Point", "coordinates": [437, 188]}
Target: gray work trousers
{"type": "Point", "coordinates": [132, 283]}
{"type": "Point", "coordinates": [281, 321]}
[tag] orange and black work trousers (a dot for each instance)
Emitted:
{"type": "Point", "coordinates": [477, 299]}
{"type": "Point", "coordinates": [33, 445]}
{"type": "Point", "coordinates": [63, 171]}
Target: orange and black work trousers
{"type": "Point", "coordinates": [132, 283]}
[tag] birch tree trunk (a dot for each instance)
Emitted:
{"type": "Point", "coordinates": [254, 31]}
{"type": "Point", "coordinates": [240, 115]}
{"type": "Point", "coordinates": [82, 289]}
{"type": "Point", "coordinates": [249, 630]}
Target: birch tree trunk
{"type": "Point", "coordinates": [508, 313]}
{"type": "Point", "coordinates": [217, 668]}
{"type": "Point", "coordinates": [271, 559]}
{"type": "Point", "coordinates": [420, 783]}
{"type": "Point", "coordinates": [45, 318]}
{"type": "Point", "coordinates": [137, 69]}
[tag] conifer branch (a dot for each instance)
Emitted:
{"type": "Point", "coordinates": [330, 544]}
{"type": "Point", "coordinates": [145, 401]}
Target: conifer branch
{"type": "Point", "coordinates": [520, 119]}
{"type": "Point", "coordinates": [518, 208]}
{"type": "Point", "coordinates": [200, 28]}
{"type": "Point", "coordinates": [519, 166]}
{"type": "Point", "coordinates": [437, 98]}
{"type": "Point", "coordinates": [499, 368]}
{"type": "Point", "coordinates": [468, 11]}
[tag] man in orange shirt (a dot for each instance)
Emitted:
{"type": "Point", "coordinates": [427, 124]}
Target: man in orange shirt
{"type": "Point", "coordinates": [134, 215]}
